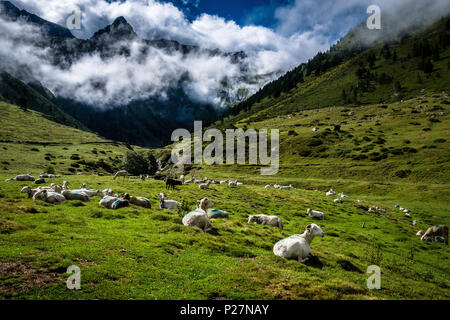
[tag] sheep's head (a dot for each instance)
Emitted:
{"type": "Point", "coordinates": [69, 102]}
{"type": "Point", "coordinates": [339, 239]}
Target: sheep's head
{"type": "Point", "coordinates": [252, 219]}
{"type": "Point", "coordinates": [162, 196]}
{"type": "Point", "coordinates": [126, 196]}
{"type": "Point", "coordinates": [315, 230]}
{"type": "Point", "coordinates": [41, 195]}
{"type": "Point", "coordinates": [25, 190]}
{"type": "Point", "coordinates": [205, 204]}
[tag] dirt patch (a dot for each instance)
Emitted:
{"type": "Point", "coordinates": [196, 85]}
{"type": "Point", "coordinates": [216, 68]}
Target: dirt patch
{"type": "Point", "coordinates": [20, 277]}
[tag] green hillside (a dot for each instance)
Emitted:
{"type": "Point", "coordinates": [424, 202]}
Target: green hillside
{"type": "Point", "coordinates": [29, 142]}
{"type": "Point", "coordinates": [383, 73]}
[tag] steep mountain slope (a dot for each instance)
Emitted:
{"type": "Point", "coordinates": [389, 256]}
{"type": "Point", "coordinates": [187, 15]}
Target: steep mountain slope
{"type": "Point", "coordinates": [35, 97]}
{"type": "Point", "coordinates": [354, 74]}
{"type": "Point", "coordinates": [145, 113]}
{"type": "Point", "coordinates": [30, 142]}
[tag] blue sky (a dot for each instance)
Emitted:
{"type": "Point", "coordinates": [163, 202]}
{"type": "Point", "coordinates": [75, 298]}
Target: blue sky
{"type": "Point", "coordinates": [243, 12]}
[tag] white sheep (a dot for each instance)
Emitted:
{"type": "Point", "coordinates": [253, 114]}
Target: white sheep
{"type": "Point", "coordinates": [167, 204]}
{"type": "Point", "coordinates": [268, 186]}
{"type": "Point", "coordinates": [224, 181]}
{"type": "Point", "coordinates": [330, 193]}
{"type": "Point", "coordinates": [204, 186]}
{"type": "Point", "coordinates": [50, 197]}
{"type": "Point", "coordinates": [232, 183]}
{"type": "Point", "coordinates": [76, 195]}
{"type": "Point", "coordinates": [420, 233]}
{"type": "Point", "coordinates": [407, 215]}
{"type": "Point", "coordinates": [113, 203]}
{"type": "Point", "coordinates": [199, 217]}
{"type": "Point", "coordinates": [315, 214]}
{"type": "Point", "coordinates": [297, 246]}
{"type": "Point", "coordinates": [338, 200]}
{"type": "Point", "coordinates": [286, 187]}
{"type": "Point", "coordinates": [239, 183]}
{"type": "Point", "coordinates": [24, 177]}
{"type": "Point", "coordinates": [109, 192]}
{"type": "Point", "coordinates": [264, 219]}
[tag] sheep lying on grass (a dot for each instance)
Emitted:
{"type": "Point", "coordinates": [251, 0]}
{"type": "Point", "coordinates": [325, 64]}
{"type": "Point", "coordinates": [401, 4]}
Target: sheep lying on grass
{"type": "Point", "coordinates": [199, 217]}
{"type": "Point", "coordinates": [22, 177]}
{"type": "Point", "coordinates": [315, 214]}
{"type": "Point", "coordinates": [330, 193]}
{"type": "Point", "coordinates": [204, 186]}
{"type": "Point", "coordinates": [138, 201]}
{"type": "Point", "coordinates": [297, 246]}
{"type": "Point", "coordinates": [50, 197]}
{"type": "Point", "coordinates": [264, 219]}
{"type": "Point", "coordinates": [109, 192]}
{"type": "Point", "coordinates": [167, 204]}
{"type": "Point", "coordinates": [114, 203]}
{"type": "Point", "coordinates": [435, 232]}
{"type": "Point", "coordinates": [76, 195]}
{"type": "Point", "coordinates": [338, 200]}
{"type": "Point", "coordinates": [217, 214]}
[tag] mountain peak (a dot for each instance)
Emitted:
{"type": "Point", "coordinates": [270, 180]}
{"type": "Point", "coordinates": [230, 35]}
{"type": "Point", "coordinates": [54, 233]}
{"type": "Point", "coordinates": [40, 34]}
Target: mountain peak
{"type": "Point", "coordinates": [119, 29]}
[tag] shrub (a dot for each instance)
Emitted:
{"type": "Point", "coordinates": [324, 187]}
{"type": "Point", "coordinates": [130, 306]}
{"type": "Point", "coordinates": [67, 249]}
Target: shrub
{"type": "Point", "coordinates": [402, 173]}
{"type": "Point", "coordinates": [50, 169]}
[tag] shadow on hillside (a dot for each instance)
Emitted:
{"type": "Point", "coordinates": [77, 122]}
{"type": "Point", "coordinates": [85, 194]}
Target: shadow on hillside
{"type": "Point", "coordinates": [314, 262]}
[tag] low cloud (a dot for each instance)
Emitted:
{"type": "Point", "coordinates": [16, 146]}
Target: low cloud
{"type": "Point", "coordinates": [303, 28]}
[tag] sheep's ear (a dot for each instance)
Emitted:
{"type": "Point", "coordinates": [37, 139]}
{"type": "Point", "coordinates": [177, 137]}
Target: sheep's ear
{"type": "Point", "coordinates": [309, 227]}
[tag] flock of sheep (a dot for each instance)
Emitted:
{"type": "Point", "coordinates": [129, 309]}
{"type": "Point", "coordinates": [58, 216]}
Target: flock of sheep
{"type": "Point", "coordinates": [294, 247]}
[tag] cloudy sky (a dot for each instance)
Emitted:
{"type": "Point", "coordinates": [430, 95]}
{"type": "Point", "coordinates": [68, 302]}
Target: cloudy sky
{"type": "Point", "coordinates": [276, 35]}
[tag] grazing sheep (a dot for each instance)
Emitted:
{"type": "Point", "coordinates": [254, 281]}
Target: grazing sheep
{"type": "Point", "coordinates": [263, 219]}
{"type": "Point", "coordinates": [138, 201]}
{"type": "Point", "coordinates": [297, 246]}
{"type": "Point", "coordinates": [316, 214]}
{"type": "Point", "coordinates": [76, 195]}
{"type": "Point", "coordinates": [436, 231]}
{"type": "Point", "coordinates": [114, 203]}
{"type": "Point", "coordinates": [172, 183]}
{"type": "Point", "coordinates": [121, 173]}
{"type": "Point", "coordinates": [167, 204]}
{"type": "Point", "coordinates": [50, 197]}
{"type": "Point", "coordinates": [204, 186]}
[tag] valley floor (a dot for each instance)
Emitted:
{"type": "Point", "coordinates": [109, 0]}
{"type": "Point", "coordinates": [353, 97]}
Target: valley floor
{"type": "Point", "coordinates": [136, 253]}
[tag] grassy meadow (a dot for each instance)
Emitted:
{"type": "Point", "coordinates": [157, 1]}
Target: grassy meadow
{"type": "Point", "coordinates": [136, 253]}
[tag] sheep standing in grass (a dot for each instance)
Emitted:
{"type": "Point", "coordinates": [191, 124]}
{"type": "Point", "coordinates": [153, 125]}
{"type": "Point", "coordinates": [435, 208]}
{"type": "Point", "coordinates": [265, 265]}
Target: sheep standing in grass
{"type": "Point", "coordinates": [50, 197]}
{"type": "Point", "coordinates": [316, 214]}
{"type": "Point", "coordinates": [76, 195]}
{"type": "Point", "coordinates": [264, 219]}
{"type": "Point", "coordinates": [298, 245]}
{"type": "Point", "coordinates": [167, 204]}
